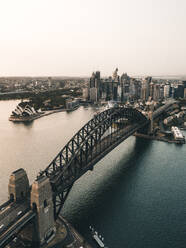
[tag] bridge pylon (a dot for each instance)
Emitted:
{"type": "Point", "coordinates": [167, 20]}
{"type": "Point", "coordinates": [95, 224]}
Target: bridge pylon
{"type": "Point", "coordinates": [18, 186]}
{"type": "Point", "coordinates": [41, 202]}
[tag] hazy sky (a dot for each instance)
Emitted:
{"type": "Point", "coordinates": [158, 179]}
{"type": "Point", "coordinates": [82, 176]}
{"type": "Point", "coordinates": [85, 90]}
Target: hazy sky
{"type": "Point", "coordinates": [75, 37]}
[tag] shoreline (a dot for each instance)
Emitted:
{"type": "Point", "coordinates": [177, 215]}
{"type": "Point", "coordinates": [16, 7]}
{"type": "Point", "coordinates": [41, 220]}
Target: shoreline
{"type": "Point", "coordinates": [145, 136]}
{"type": "Point", "coordinates": [39, 115]}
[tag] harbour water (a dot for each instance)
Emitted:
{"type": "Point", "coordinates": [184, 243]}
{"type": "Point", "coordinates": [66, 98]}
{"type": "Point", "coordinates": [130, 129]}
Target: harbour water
{"type": "Point", "coordinates": [135, 197]}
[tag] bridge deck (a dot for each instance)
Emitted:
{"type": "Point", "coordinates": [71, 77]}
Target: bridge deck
{"type": "Point", "coordinates": [16, 226]}
{"type": "Point", "coordinates": [163, 108]}
{"type": "Point", "coordinates": [10, 215]}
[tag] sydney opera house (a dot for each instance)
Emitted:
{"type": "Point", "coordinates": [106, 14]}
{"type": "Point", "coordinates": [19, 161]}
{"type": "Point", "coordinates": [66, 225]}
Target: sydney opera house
{"type": "Point", "coordinates": [23, 112]}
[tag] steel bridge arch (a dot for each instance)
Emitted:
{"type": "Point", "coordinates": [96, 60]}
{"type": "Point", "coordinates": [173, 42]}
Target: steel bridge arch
{"type": "Point", "coordinates": [71, 162]}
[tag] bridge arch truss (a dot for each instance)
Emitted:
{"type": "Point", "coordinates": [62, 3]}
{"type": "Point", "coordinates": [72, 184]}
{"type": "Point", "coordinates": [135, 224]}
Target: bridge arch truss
{"type": "Point", "coordinates": [92, 142]}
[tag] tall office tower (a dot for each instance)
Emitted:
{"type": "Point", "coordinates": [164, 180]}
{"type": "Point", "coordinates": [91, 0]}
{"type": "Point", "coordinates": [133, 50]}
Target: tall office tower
{"type": "Point", "coordinates": [156, 93]}
{"type": "Point", "coordinates": [119, 92]}
{"type": "Point", "coordinates": [110, 90]}
{"type": "Point", "coordinates": [184, 93]}
{"type": "Point", "coordinates": [107, 90]}
{"type": "Point", "coordinates": [125, 86]}
{"type": "Point", "coordinates": [115, 85]}
{"type": "Point", "coordinates": [86, 93]}
{"type": "Point", "coordinates": [171, 91]}
{"type": "Point", "coordinates": [161, 92]}
{"type": "Point", "coordinates": [92, 80]}
{"type": "Point", "coordinates": [132, 87]}
{"type": "Point", "coordinates": [98, 84]}
{"type": "Point", "coordinates": [137, 89]}
{"type": "Point", "coordinates": [97, 79]}
{"type": "Point", "coordinates": [126, 91]}
{"type": "Point", "coordinates": [115, 76]}
{"type": "Point", "coordinates": [145, 89]}
{"type": "Point", "coordinates": [124, 77]}
{"type": "Point", "coordinates": [115, 91]}
{"type": "Point", "coordinates": [151, 89]}
{"type": "Point", "coordinates": [166, 91]}
{"type": "Point", "coordinates": [97, 75]}
{"type": "Point", "coordinates": [184, 86]}
{"type": "Point", "coordinates": [104, 84]}
{"type": "Point", "coordinates": [95, 82]}
{"type": "Point", "coordinates": [93, 94]}
{"type": "Point", "coordinates": [179, 91]}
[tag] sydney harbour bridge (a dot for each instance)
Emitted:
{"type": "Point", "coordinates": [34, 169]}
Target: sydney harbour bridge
{"type": "Point", "coordinates": [41, 203]}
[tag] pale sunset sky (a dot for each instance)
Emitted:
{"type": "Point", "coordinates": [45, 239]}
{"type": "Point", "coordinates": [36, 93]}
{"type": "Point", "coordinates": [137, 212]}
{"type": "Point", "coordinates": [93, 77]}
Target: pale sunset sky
{"type": "Point", "coordinates": [76, 37]}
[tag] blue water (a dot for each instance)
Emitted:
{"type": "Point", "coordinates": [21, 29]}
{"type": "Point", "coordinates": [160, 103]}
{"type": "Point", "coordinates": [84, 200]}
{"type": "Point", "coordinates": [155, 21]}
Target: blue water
{"type": "Point", "coordinates": [135, 197]}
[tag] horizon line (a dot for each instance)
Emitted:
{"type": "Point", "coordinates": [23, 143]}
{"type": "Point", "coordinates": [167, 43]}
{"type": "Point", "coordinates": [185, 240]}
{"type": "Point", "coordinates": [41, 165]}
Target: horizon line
{"type": "Point", "coordinates": [86, 76]}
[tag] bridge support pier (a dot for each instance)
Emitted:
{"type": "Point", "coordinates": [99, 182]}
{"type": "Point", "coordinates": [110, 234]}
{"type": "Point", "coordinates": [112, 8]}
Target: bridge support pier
{"type": "Point", "coordinates": [41, 202]}
{"type": "Point", "coordinates": [18, 186]}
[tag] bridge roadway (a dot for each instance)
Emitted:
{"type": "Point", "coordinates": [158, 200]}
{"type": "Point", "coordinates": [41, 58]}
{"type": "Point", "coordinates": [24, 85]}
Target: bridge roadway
{"type": "Point", "coordinates": [163, 108]}
{"type": "Point", "coordinates": [13, 216]}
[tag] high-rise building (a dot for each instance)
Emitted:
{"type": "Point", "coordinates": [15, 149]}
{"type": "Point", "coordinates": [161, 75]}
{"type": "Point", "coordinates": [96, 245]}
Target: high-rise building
{"type": "Point", "coordinates": [86, 93]}
{"type": "Point", "coordinates": [132, 87]}
{"type": "Point", "coordinates": [184, 84]}
{"type": "Point", "coordinates": [179, 91]}
{"type": "Point", "coordinates": [93, 94]}
{"type": "Point", "coordinates": [97, 75]}
{"type": "Point", "coordinates": [92, 81]}
{"type": "Point", "coordinates": [119, 92]}
{"type": "Point", "coordinates": [151, 89]}
{"type": "Point", "coordinates": [156, 93]}
{"type": "Point", "coordinates": [125, 86]}
{"type": "Point", "coordinates": [115, 76]}
{"type": "Point", "coordinates": [185, 93]}
{"type": "Point", "coordinates": [166, 91]}
{"type": "Point", "coordinates": [161, 92]}
{"type": "Point", "coordinates": [145, 88]}
{"type": "Point", "coordinates": [115, 91]}
{"type": "Point", "coordinates": [95, 82]}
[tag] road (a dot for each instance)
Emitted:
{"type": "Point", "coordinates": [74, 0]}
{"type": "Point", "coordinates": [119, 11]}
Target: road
{"type": "Point", "coordinates": [11, 213]}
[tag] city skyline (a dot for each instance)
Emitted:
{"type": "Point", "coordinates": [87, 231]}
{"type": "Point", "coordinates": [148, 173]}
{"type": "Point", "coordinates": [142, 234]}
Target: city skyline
{"type": "Point", "coordinates": [74, 38]}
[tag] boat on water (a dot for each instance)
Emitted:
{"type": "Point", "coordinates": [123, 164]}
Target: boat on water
{"type": "Point", "coordinates": [97, 238]}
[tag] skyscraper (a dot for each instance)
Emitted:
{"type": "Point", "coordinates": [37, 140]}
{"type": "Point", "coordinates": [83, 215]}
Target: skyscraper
{"type": "Point", "coordinates": [156, 93]}
{"type": "Point", "coordinates": [145, 88]}
{"type": "Point", "coordinates": [95, 84]}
